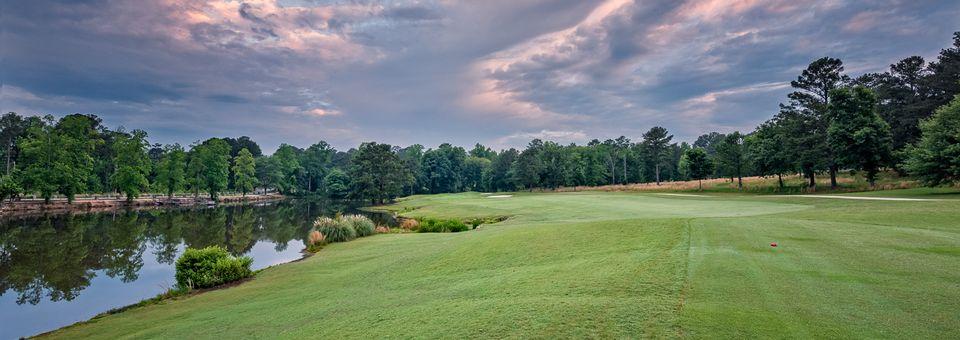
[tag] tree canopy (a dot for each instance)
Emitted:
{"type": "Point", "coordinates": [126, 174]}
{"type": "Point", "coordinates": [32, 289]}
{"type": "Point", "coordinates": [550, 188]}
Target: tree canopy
{"type": "Point", "coordinates": [935, 158]}
{"type": "Point", "coordinates": [131, 163]}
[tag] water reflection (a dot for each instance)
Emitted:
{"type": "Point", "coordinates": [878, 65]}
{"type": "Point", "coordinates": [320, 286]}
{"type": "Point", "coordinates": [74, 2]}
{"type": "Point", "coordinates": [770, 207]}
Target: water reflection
{"type": "Point", "coordinates": [47, 262]}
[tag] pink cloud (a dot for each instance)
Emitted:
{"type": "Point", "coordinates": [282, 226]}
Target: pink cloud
{"type": "Point", "coordinates": [715, 10]}
{"type": "Point", "coordinates": [266, 25]}
{"type": "Point", "coordinates": [324, 112]}
{"type": "Point", "coordinates": [863, 21]}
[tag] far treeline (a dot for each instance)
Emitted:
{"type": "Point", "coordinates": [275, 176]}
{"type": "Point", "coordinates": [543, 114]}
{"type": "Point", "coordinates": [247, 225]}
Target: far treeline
{"type": "Point", "coordinates": [906, 119]}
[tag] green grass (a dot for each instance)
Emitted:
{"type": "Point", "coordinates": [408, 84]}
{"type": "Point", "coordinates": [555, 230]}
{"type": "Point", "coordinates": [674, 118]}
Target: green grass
{"type": "Point", "coordinates": [598, 264]}
{"type": "Point", "coordinates": [793, 184]}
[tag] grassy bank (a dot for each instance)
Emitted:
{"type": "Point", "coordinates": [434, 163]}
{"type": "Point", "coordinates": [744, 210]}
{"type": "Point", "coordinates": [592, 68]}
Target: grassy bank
{"type": "Point", "coordinates": [603, 264]}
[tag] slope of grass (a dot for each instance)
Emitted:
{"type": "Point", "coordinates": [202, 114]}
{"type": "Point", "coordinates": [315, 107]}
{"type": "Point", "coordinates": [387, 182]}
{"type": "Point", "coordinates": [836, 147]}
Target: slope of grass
{"type": "Point", "coordinates": [602, 265]}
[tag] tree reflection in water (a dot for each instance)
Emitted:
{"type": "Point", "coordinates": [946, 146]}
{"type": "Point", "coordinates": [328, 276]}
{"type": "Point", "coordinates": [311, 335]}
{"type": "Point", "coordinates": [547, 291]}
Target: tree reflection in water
{"type": "Point", "coordinates": [57, 256]}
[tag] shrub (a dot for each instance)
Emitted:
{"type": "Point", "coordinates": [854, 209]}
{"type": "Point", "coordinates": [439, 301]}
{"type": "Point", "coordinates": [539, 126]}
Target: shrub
{"type": "Point", "coordinates": [382, 230]}
{"type": "Point", "coordinates": [476, 222]}
{"type": "Point", "coordinates": [335, 230]}
{"type": "Point", "coordinates": [429, 225]}
{"type": "Point", "coordinates": [456, 226]}
{"type": "Point", "coordinates": [9, 187]}
{"type": "Point", "coordinates": [362, 225]}
{"type": "Point", "coordinates": [210, 266]}
{"type": "Point", "coordinates": [410, 224]}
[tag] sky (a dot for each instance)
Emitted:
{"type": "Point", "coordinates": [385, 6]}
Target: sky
{"type": "Point", "coordinates": [498, 72]}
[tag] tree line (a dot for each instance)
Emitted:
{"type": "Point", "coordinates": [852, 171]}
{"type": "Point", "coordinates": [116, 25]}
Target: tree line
{"type": "Point", "coordinates": [905, 119]}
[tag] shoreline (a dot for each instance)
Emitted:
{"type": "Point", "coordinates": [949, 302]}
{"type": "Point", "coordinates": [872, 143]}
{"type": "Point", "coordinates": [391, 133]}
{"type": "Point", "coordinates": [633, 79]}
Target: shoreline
{"type": "Point", "coordinates": [26, 208]}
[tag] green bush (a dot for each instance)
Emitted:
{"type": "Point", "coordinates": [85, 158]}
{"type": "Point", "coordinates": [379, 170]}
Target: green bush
{"type": "Point", "coordinates": [335, 230]}
{"type": "Point", "coordinates": [430, 225]}
{"type": "Point", "coordinates": [361, 224]}
{"type": "Point", "coordinates": [8, 187]}
{"type": "Point", "coordinates": [476, 222]}
{"type": "Point", "coordinates": [210, 266]}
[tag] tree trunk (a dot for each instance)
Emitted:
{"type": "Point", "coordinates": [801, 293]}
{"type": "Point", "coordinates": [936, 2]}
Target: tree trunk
{"type": "Point", "coordinates": [780, 179]}
{"type": "Point", "coordinates": [658, 173]}
{"type": "Point", "coordinates": [833, 176]}
{"type": "Point", "coordinates": [624, 168]}
{"type": "Point", "coordinates": [9, 148]}
{"type": "Point", "coordinates": [613, 172]}
{"type": "Point", "coordinates": [813, 180]}
{"type": "Point", "coordinates": [700, 183]}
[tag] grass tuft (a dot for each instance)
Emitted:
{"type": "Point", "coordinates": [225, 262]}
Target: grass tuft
{"type": "Point", "coordinates": [335, 230]}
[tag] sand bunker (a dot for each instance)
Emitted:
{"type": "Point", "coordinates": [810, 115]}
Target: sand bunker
{"type": "Point", "coordinates": [499, 196]}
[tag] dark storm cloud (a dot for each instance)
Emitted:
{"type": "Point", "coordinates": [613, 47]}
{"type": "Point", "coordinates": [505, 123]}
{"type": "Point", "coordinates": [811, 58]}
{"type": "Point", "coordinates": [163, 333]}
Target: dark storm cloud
{"type": "Point", "coordinates": [499, 71]}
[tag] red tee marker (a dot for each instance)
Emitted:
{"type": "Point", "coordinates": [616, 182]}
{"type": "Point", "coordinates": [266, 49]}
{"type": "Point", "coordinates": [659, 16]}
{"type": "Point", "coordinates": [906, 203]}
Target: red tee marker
{"type": "Point", "coordinates": [773, 244]}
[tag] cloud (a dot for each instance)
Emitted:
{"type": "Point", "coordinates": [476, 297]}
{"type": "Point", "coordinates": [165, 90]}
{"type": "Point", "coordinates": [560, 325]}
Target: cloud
{"type": "Point", "coordinates": [415, 71]}
{"type": "Point", "coordinates": [888, 20]}
{"type": "Point", "coordinates": [753, 89]}
{"type": "Point", "coordinates": [559, 136]}
{"type": "Point", "coordinates": [324, 112]}
{"type": "Point", "coordinates": [414, 13]}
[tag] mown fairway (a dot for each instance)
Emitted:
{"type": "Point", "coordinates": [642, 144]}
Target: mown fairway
{"type": "Point", "coordinates": [604, 265]}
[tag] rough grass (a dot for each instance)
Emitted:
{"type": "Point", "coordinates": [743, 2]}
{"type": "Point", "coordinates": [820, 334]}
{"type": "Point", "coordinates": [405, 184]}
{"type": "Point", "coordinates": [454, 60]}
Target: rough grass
{"type": "Point", "coordinates": [608, 265]}
{"type": "Point", "coordinates": [846, 182]}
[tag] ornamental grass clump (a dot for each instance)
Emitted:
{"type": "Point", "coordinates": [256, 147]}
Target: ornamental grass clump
{"type": "Point", "coordinates": [316, 237]}
{"type": "Point", "coordinates": [362, 225]}
{"type": "Point", "coordinates": [315, 241]}
{"type": "Point", "coordinates": [209, 267]}
{"type": "Point", "coordinates": [382, 230]}
{"type": "Point", "coordinates": [335, 230]}
{"type": "Point", "coordinates": [410, 224]}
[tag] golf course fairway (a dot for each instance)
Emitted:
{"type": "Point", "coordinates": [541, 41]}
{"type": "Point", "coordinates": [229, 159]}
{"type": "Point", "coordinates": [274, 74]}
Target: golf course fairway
{"type": "Point", "coordinates": [607, 265]}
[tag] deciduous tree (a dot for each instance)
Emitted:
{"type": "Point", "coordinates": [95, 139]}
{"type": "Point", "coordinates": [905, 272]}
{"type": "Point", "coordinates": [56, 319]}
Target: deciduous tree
{"type": "Point", "coordinates": [732, 156]}
{"type": "Point", "coordinates": [57, 158]}
{"type": "Point", "coordinates": [244, 171]}
{"type": "Point", "coordinates": [857, 135]}
{"type": "Point", "coordinates": [131, 163]}
{"type": "Point", "coordinates": [337, 183]}
{"type": "Point", "coordinates": [767, 151]}
{"type": "Point", "coordinates": [935, 158]}
{"type": "Point", "coordinates": [376, 173]}
{"type": "Point", "coordinates": [171, 170]}
{"type": "Point", "coordinates": [698, 165]}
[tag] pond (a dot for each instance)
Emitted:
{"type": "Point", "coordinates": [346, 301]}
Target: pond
{"type": "Point", "coordinates": [56, 270]}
